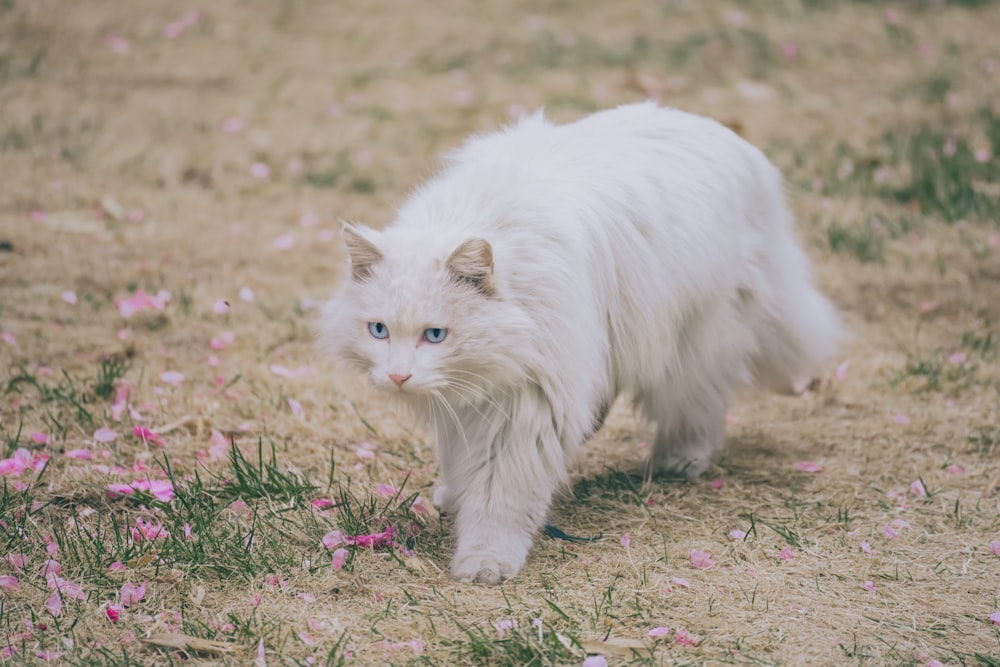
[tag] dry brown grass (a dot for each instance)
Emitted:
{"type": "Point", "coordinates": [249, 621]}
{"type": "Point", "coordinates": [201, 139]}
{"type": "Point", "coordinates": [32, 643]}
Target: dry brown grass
{"type": "Point", "coordinates": [349, 104]}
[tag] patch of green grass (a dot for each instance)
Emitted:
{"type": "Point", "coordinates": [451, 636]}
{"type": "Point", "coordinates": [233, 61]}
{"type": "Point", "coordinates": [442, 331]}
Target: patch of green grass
{"type": "Point", "coordinates": [866, 242]}
{"type": "Point", "coordinates": [522, 645]}
{"type": "Point", "coordinates": [929, 373]}
{"type": "Point", "coordinates": [986, 441]}
{"type": "Point", "coordinates": [926, 170]}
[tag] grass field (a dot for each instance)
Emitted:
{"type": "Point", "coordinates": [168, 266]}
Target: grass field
{"type": "Point", "coordinates": [172, 468]}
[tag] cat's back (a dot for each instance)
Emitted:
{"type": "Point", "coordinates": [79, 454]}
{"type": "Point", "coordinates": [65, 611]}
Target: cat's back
{"type": "Point", "coordinates": [617, 142]}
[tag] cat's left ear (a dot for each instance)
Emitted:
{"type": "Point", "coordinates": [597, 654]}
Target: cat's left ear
{"type": "Point", "coordinates": [363, 252]}
{"type": "Point", "coordinates": [472, 263]}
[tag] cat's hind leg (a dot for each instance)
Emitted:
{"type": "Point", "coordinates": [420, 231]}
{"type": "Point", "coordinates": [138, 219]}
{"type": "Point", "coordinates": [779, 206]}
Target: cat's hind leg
{"type": "Point", "coordinates": [690, 429]}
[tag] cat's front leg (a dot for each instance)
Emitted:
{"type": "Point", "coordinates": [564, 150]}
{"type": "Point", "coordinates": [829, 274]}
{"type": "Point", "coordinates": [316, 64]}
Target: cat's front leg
{"type": "Point", "coordinates": [500, 509]}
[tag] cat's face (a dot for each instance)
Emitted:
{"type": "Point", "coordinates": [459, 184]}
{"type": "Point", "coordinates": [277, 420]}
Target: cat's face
{"type": "Point", "coordinates": [422, 316]}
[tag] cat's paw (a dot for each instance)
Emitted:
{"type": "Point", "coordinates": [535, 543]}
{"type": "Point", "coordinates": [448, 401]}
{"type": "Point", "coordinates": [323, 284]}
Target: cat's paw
{"type": "Point", "coordinates": [683, 465]}
{"type": "Point", "coordinates": [442, 500]}
{"type": "Point", "coordinates": [484, 568]}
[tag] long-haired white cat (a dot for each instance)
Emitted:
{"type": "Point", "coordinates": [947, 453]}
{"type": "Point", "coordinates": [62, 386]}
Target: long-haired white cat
{"type": "Point", "coordinates": [548, 269]}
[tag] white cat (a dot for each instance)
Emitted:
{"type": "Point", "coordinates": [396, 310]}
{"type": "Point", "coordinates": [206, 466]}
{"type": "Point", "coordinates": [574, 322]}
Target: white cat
{"type": "Point", "coordinates": [548, 269]}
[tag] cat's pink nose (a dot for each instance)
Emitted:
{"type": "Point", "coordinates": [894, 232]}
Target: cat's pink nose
{"type": "Point", "coordinates": [399, 379]}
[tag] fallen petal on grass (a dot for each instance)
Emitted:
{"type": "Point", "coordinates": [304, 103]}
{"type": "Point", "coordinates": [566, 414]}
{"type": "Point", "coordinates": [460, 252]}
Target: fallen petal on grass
{"type": "Point", "coordinates": [54, 604]}
{"type": "Point", "coordinates": [808, 466]}
{"type": "Point", "coordinates": [173, 378]}
{"type": "Point", "coordinates": [701, 560]}
{"type": "Point", "coordinates": [685, 638]}
{"type": "Point", "coordinates": [132, 594]}
{"type": "Point", "coordinates": [105, 434]}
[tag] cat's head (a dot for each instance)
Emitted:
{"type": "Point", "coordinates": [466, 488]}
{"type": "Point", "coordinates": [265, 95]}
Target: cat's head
{"type": "Point", "coordinates": [423, 313]}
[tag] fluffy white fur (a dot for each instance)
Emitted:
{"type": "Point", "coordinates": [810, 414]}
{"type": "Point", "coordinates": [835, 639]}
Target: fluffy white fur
{"type": "Point", "coordinates": [640, 250]}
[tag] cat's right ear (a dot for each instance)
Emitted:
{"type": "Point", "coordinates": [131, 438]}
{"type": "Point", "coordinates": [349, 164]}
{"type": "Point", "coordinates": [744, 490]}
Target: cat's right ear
{"type": "Point", "coordinates": [364, 255]}
{"type": "Point", "coordinates": [472, 263]}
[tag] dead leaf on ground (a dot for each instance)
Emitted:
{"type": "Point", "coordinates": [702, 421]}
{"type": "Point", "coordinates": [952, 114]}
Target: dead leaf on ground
{"type": "Point", "coordinates": [624, 646]}
{"type": "Point", "coordinates": [175, 640]}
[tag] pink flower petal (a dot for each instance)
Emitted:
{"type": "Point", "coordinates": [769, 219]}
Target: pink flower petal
{"type": "Point", "coordinates": [626, 540]}
{"type": "Point", "coordinates": [9, 582]}
{"type": "Point", "coordinates": [678, 581]}
{"type": "Point", "coordinates": [246, 294]}
{"type": "Point", "coordinates": [808, 466]}
{"type": "Point", "coordinates": [958, 358]}
{"type": "Point", "coordinates": [8, 338]}
{"type": "Point", "coordinates": [842, 371]}
{"type": "Point", "coordinates": [260, 170]}
{"type": "Point", "coordinates": [659, 631]}
{"type": "Point", "coordinates": [69, 297]}
{"type": "Point", "coordinates": [869, 586]}
{"type": "Point", "coordinates": [339, 558]}
{"type": "Point", "coordinates": [917, 488]}
{"type": "Point", "coordinates": [54, 604]}
{"type": "Point", "coordinates": [737, 534]}
{"type": "Point", "coordinates": [595, 661]}
{"type": "Point", "coordinates": [132, 594]}
{"type": "Point", "coordinates": [82, 454]}
{"type": "Point", "coordinates": [232, 125]}
{"type": "Point", "coordinates": [306, 597]}
{"type": "Point", "coordinates": [386, 490]}
{"type": "Point", "coordinates": [786, 554]}
{"type": "Point", "coordinates": [221, 307]}
{"type": "Point", "coordinates": [702, 560]}
{"type": "Point", "coordinates": [866, 548]}
{"type": "Point", "coordinates": [16, 560]}
{"type": "Point", "coordinates": [51, 567]}
{"type": "Point", "coordinates": [114, 612]}
{"type": "Point", "coordinates": [307, 638]}
{"type": "Point", "coordinates": [995, 617]}
{"type": "Point", "coordinates": [296, 407]}
{"type": "Point", "coordinates": [148, 436]}
{"type": "Point", "coordinates": [682, 636]}
{"type": "Point", "coordinates": [504, 627]}
{"type": "Point", "coordinates": [901, 419]}
{"type": "Point", "coordinates": [68, 588]}
{"type": "Point", "coordinates": [39, 438]}
{"type": "Point", "coordinates": [995, 547]}
{"type": "Point", "coordinates": [956, 470]}
{"type": "Point", "coordinates": [333, 539]}
{"type": "Point", "coordinates": [118, 490]}
{"type": "Point", "coordinates": [717, 484]}
{"type": "Point", "coordinates": [105, 434]}
{"type": "Point", "coordinates": [172, 378]}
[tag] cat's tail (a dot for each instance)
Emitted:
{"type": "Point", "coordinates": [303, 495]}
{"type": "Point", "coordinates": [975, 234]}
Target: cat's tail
{"type": "Point", "coordinates": [797, 339]}
{"type": "Point", "coordinates": [799, 329]}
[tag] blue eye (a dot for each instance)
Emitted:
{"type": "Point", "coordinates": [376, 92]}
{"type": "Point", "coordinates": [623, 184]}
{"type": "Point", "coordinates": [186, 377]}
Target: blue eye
{"type": "Point", "coordinates": [435, 335]}
{"type": "Point", "coordinates": [378, 330]}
